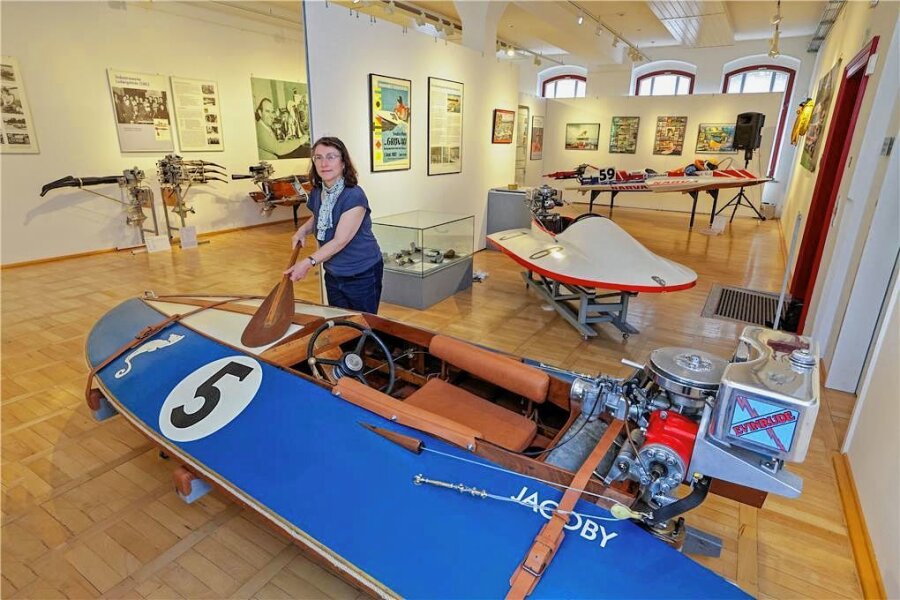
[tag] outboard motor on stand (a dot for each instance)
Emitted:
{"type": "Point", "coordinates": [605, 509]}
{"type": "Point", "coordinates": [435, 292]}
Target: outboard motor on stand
{"type": "Point", "coordinates": [541, 202]}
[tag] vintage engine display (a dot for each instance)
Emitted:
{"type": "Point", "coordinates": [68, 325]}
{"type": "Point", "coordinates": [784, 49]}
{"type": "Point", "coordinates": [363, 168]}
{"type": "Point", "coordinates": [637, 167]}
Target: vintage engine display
{"type": "Point", "coordinates": [292, 190]}
{"type": "Point", "coordinates": [131, 182]}
{"type": "Point", "coordinates": [541, 202]}
{"type": "Point", "coordinates": [176, 176]}
{"type": "Point", "coordinates": [695, 417]}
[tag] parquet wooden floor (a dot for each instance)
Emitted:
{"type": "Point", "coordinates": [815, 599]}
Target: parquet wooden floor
{"type": "Point", "coordinates": [88, 509]}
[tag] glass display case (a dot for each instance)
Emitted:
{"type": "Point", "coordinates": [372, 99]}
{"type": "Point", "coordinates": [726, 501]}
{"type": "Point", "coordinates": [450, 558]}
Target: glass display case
{"type": "Point", "coordinates": [421, 242]}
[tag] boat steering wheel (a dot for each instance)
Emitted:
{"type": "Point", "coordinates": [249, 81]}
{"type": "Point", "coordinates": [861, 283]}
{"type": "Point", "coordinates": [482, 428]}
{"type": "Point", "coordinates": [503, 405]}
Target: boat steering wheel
{"type": "Point", "coordinates": [350, 364]}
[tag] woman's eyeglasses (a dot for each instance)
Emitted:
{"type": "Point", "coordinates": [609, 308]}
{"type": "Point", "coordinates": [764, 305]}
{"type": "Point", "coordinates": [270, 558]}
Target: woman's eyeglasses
{"type": "Point", "coordinates": [326, 157]}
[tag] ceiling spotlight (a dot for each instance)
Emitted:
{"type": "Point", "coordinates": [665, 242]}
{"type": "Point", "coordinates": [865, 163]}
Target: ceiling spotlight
{"type": "Point", "coordinates": [420, 19]}
{"type": "Point", "coordinates": [448, 29]}
{"type": "Point", "coordinates": [355, 1]}
{"type": "Point", "coordinates": [510, 52]}
{"type": "Point", "coordinates": [599, 30]}
{"type": "Point", "coordinates": [537, 61]}
{"type": "Point", "coordinates": [389, 9]}
{"type": "Point", "coordinates": [580, 19]}
{"type": "Point", "coordinates": [615, 42]}
{"type": "Point", "coordinates": [776, 19]}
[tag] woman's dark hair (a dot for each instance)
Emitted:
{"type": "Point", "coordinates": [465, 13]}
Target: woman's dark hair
{"type": "Point", "coordinates": [350, 176]}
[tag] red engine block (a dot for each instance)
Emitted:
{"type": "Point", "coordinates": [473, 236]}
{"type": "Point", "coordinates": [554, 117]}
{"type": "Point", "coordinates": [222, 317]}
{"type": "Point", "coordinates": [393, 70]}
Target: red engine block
{"type": "Point", "coordinates": [672, 430]}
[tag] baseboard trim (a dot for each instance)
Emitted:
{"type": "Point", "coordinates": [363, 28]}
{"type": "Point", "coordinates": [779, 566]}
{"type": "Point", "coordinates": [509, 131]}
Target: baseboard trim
{"type": "Point", "coordinates": [860, 542]}
{"type": "Point", "coordinates": [208, 234]}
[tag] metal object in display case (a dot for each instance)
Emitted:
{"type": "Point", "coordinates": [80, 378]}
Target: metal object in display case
{"type": "Point", "coordinates": [427, 256]}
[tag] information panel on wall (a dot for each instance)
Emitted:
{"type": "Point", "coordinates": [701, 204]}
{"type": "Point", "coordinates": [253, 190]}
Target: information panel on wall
{"type": "Point", "coordinates": [445, 126]}
{"type": "Point", "coordinates": [197, 114]}
{"type": "Point", "coordinates": [17, 131]}
{"type": "Point", "coordinates": [389, 123]}
{"type": "Point", "coordinates": [141, 106]}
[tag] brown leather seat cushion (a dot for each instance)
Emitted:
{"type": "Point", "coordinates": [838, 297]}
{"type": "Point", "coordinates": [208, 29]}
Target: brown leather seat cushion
{"type": "Point", "coordinates": [502, 371]}
{"type": "Point", "coordinates": [497, 425]}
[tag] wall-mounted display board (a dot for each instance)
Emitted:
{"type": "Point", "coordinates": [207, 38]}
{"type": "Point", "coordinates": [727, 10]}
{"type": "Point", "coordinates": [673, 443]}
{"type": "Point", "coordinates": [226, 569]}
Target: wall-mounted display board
{"type": "Point", "coordinates": [197, 114]}
{"type": "Point", "coordinates": [17, 131]}
{"type": "Point", "coordinates": [810, 155]}
{"type": "Point", "coordinates": [445, 126]}
{"type": "Point", "coordinates": [537, 138]}
{"type": "Point", "coordinates": [504, 124]}
{"type": "Point", "coordinates": [669, 135]}
{"type": "Point", "coordinates": [141, 106]}
{"type": "Point", "coordinates": [623, 132]}
{"type": "Point", "coordinates": [715, 138]}
{"type": "Point", "coordinates": [582, 136]}
{"type": "Point", "coordinates": [390, 123]}
{"type": "Point", "coordinates": [281, 111]}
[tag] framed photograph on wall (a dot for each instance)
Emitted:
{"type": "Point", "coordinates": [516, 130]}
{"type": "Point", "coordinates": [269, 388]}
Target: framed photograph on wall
{"type": "Point", "coordinates": [390, 120]}
{"type": "Point", "coordinates": [809, 157]}
{"type": "Point", "coordinates": [141, 109]}
{"type": "Point", "coordinates": [445, 126]}
{"type": "Point", "coordinates": [582, 136]}
{"type": "Point", "coordinates": [504, 123]}
{"type": "Point", "coordinates": [281, 111]}
{"type": "Point", "coordinates": [17, 129]}
{"type": "Point", "coordinates": [537, 138]}
{"type": "Point", "coordinates": [715, 138]}
{"type": "Point", "coordinates": [669, 137]}
{"type": "Point", "coordinates": [623, 132]}
{"type": "Point", "coordinates": [195, 100]}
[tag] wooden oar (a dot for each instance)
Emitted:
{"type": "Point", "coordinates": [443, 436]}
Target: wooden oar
{"type": "Point", "coordinates": [273, 317]}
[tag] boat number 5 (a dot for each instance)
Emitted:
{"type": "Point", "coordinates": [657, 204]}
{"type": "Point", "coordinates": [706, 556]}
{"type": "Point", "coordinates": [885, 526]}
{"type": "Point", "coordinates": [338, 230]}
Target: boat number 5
{"type": "Point", "coordinates": [209, 398]}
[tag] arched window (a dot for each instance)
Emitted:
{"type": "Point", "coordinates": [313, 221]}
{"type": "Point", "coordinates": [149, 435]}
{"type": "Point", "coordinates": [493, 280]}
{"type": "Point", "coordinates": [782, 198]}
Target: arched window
{"type": "Point", "coordinates": [664, 83]}
{"type": "Point", "coordinates": [762, 79]}
{"type": "Point", "coordinates": [564, 86]}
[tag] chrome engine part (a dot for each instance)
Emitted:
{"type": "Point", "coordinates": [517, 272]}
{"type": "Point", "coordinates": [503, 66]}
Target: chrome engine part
{"type": "Point", "coordinates": [692, 417]}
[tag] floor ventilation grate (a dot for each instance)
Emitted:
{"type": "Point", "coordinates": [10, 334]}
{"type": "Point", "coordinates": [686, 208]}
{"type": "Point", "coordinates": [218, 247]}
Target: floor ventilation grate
{"type": "Point", "coordinates": [740, 304]}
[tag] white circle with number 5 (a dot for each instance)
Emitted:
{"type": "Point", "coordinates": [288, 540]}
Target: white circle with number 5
{"type": "Point", "coordinates": [209, 398]}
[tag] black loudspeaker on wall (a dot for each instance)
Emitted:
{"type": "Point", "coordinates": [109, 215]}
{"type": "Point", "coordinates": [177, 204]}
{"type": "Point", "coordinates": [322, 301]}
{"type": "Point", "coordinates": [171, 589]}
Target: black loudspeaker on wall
{"type": "Point", "coordinates": [748, 130]}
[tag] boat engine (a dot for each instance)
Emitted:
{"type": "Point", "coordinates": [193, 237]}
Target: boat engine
{"type": "Point", "coordinates": [692, 417]}
{"type": "Point", "coordinates": [541, 202]}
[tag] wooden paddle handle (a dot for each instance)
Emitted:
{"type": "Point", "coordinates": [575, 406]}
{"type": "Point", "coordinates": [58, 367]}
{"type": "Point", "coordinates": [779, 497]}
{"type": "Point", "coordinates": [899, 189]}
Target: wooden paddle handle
{"type": "Point", "coordinates": [294, 256]}
{"type": "Point", "coordinates": [272, 315]}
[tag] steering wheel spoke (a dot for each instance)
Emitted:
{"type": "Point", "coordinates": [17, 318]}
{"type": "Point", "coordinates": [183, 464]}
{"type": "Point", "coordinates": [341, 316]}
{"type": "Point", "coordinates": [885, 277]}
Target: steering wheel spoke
{"type": "Point", "coordinates": [362, 342]}
{"type": "Point", "coordinates": [327, 361]}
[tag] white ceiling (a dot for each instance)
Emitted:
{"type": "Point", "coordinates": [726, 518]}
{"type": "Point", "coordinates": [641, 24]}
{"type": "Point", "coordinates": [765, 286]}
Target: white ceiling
{"type": "Point", "coordinates": [549, 27]}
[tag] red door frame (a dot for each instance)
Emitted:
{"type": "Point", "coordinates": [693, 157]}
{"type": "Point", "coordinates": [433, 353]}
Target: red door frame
{"type": "Point", "coordinates": [831, 172]}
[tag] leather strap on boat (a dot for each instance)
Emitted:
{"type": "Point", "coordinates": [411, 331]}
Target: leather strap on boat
{"type": "Point", "coordinates": [142, 335]}
{"type": "Point", "coordinates": [548, 539]}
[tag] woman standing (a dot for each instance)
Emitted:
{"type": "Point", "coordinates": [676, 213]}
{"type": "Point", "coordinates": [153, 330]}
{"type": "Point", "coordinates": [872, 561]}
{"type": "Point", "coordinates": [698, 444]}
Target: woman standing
{"type": "Point", "coordinates": [347, 248]}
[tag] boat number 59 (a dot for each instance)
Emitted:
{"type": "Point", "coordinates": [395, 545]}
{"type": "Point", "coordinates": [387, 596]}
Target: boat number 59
{"type": "Point", "coordinates": [209, 398]}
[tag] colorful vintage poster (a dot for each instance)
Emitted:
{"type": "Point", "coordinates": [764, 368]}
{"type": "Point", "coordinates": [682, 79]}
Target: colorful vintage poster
{"type": "Point", "coordinates": [504, 124]}
{"type": "Point", "coordinates": [197, 114]}
{"type": "Point", "coordinates": [389, 123]}
{"type": "Point", "coordinates": [809, 158]}
{"type": "Point", "coordinates": [445, 123]}
{"type": "Point", "coordinates": [141, 105]}
{"type": "Point", "coordinates": [582, 136]}
{"type": "Point", "coordinates": [537, 138]}
{"type": "Point", "coordinates": [281, 111]}
{"type": "Point", "coordinates": [669, 135]}
{"type": "Point", "coordinates": [715, 138]}
{"type": "Point", "coordinates": [17, 131]}
{"type": "Point", "coordinates": [623, 134]}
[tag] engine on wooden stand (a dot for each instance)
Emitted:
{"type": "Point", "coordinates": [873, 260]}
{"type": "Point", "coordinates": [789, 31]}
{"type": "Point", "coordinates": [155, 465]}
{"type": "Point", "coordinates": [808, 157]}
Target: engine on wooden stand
{"type": "Point", "coordinates": [693, 418]}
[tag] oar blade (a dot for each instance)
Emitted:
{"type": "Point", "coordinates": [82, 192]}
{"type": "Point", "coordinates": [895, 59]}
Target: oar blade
{"type": "Point", "coordinates": [273, 317]}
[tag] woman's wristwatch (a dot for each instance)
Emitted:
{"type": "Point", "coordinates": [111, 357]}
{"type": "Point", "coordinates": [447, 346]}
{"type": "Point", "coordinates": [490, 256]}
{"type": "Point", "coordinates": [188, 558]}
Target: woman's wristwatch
{"type": "Point", "coordinates": [312, 260]}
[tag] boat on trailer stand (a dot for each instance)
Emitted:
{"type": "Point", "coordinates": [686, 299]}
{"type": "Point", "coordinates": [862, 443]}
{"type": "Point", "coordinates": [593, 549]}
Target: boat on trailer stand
{"type": "Point", "coordinates": [414, 464]}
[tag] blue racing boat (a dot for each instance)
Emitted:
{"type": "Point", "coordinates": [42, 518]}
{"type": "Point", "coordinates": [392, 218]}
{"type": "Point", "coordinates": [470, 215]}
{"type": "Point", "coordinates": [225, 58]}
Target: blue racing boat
{"type": "Point", "coordinates": [417, 465]}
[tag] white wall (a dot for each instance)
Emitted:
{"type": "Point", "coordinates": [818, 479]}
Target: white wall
{"type": "Point", "coordinates": [714, 108]}
{"type": "Point", "coordinates": [873, 447]}
{"type": "Point", "coordinates": [339, 82]}
{"type": "Point", "coordinates": [64, 49]}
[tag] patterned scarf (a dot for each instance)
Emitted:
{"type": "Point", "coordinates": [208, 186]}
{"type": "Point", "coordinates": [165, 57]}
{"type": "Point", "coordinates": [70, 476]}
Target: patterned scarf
{"type": "Point", "coordinates": [329, 197]}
